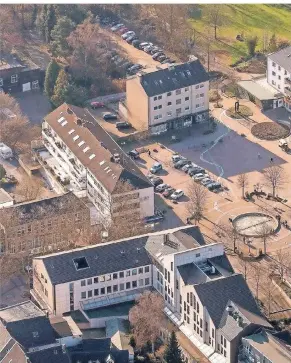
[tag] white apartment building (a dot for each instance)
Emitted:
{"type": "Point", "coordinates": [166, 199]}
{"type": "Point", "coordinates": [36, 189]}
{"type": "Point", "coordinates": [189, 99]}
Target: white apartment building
{"type": "Point", "coordinates": [92, 160]}
{"type": "Point", "coordinates": [168, 97]}
{"type": "Point", "coordinates": [210, 304]}
{"type": "Point", "coordinates": [279, 75]}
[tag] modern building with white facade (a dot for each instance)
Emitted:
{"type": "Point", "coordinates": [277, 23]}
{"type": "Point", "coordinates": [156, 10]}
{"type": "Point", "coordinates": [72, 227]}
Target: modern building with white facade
{"type": "Point", "coordinates": [167, 97]}
{"type": "Point", "coordinates": [210, 304]}
{"type": "Point", "coordinates": [90, 159]}
{"type": "Point", "coordinates": [279, 74]}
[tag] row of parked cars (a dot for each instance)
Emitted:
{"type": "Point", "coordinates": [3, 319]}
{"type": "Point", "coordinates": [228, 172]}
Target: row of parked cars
{"type": "Point", "coordinates": [196, 172]}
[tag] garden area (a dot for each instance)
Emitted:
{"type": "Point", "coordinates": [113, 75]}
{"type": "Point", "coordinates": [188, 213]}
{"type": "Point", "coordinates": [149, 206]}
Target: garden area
{"type": "Point", "coordinates": [270, 131]}
{"type": "Point", "coordinates": [243, 112]}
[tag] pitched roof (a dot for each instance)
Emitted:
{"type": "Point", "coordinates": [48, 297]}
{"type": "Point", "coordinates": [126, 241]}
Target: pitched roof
{"type": "Point", "coordinates": [102, 259]}
{"type": "Point", "coordinates": [215, 294]}
{"type": "Point", "coordinates": [174, 77]}
{"type": "Point", "coordinates": [53, 354]}
{"type": "Point", "coordinates": [41, 209]}
{"type": "Point", "coordinates": [118, 356]}
{"type": "Point", "coordinates": [93, 146]}
{"type": "Point", "coordinates": [282, 58]}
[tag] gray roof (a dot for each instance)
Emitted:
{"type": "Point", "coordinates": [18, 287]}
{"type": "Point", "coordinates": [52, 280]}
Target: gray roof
{"type": "Point", "coordinates": [21, 311]}
{"type": "Point", "coordinates": [257, 90]}
{"type": "Point", "coordinates": [118, 356]}
{"type": "Point", "coordinates": [222, 264]}
{"type": "Point", "coordinates": [53, 354]}
{"type": "Point", "coordinates": [191, 274]}
{"type": "Point", "coordinates": [4, 196]}
{"type": "Point", "coordinates": [282, 58]}
{"type": "Point", "coordinates": [174, 77]}
{"type": "Point", "coordinates": [215, 294]}
{"type": "Point", "coordinates": [102, 259]}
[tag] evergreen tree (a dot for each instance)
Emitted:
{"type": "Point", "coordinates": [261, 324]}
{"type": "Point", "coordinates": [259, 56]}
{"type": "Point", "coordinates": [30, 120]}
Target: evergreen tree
{"type": "Point", "coordinates": [273, 43]}
{"type": "Point", "coordinates": [59, 35]}
{"type": "Point", "coordinates": [132, 342]}
{"type": "Point", "coordinates": [61, 89]}
{"type": "Point", "coordinates": [41, 19]}
{"type": "Point", "coordinates": [2, 171]}
{"type": "Point", "coordinates": [173, 352]}
{"type": "Point", "coordinates": [50, 22]}
{"type": "Point", "coordinates": [51, 76]}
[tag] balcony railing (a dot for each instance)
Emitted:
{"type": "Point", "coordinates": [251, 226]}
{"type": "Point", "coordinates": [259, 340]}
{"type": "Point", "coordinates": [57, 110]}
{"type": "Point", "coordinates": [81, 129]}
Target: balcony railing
{"type": "Point", "coordinates": [288, 91]}
{"type": "Point", "coordinates": [288, 80]}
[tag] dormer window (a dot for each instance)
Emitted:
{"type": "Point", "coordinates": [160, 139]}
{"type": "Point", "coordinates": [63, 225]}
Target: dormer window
{"type": "Point", "coordinates": [1, 82]}
{"type": "Point", "coordinates": [14, 78]}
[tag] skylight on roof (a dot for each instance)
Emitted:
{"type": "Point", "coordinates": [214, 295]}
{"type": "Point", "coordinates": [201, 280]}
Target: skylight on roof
{"type": "Point", "coordinates": [76, 137]}
{"type": "Point", "coordinates": [102, 162]}
{"type": "Point", "coordinates": [64, 123]}
{"type": "Point", "coordinates": [189, 73]}
{"type": "Point", "coordinates": [92, 156]}
{"type": "Point", "coordinates": [71, 131]}
{"type": "Point", "coordinates": [80, 263]}
{"type": "Point", "coordinates": [81, 143]}
{"type": "Point", "coordinates": [86, 149]}
{"type": "Point", "coordinates": [61, 119]}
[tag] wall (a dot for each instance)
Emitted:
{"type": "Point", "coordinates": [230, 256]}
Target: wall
{"type": "Point", "coordinates": [39, 270]}
{"type": "Point", "coordinates": [101, 322]}
{"type": "Point", "coordinates": [147, 202]}
{"type": "Point", "coordinates": [137, 104]}
{"type": "Point", "coordinates": [274, 80]}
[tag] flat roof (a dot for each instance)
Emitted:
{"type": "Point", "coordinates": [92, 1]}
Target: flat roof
{"type": "Point", "coordinates": [257, 90]}
{"type": "Point", "coordinates": [121, 309]}
{"type": "Point", "coordinates": [22, 311]}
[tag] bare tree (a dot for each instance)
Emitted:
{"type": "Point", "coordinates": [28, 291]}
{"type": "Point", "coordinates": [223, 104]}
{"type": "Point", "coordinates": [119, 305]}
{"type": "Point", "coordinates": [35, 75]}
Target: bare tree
{"type": "Point", "coordinates": [256, 269]}
{"type": "Point", "coordinates": [243, 182]}
{"type": "Point", "coordinates": [274, 177]}
{"type": "Point", "coordinates": [29, 188]}
{"type": "Point", "coordinates": [198, 196]}
{"type": "Point", "coordinates": [283, 262]}
{"type": "Point", "coordinates": [244, 264]}
{"type": "Point", "coordinates": [230, 237]}
{"type": "Point", "coordinates": [215, 16]}
{"type": "Point", "coordinates": [264, 230]}
{"type": "Point", "coordinates": [147, 318]}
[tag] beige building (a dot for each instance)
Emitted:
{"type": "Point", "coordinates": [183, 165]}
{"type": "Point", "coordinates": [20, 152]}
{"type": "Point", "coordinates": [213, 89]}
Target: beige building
{"type": "Point", "coordinates": [167, 97]}
{"type": "Point", "coordinates": [43, 225]}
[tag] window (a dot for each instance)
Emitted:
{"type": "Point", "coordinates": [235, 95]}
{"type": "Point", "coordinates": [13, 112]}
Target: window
{"type": "Point", "coordinates": [201, 333]}
{"type": "Point", "coordinates": [224, 343]}
{"type": "Point", "coordinates": [95, 280]}
{"type": "Point", "coordinates": [89, 282]}
{"type": "Point", "coordinates": [179, 110]}
{"type": "Point", "coordinates": [169, 103]}
{"type": "Point", "coordinates": [115, 288]}
{"type": "Point", "coordinates": [140, 270]}
{"type": "Point", "coordinates": [35, 85]}
{"type": "Point", "coordinates": [188, 320]}
{"type": "Point", "coordinates": [197, 255]}
{"type": "Point", "coordinates": [177, 284]}
{"type": "Point", "coordinates": [140, 282]}
{"type": "Point", "coordinates": [159, 107]}
{"type": "Point", "coordinates": [96, 292]}
{"type": "Point", "coordinates": [147, 269]}
{"type": "Point", "coordinates": [178, 92]}
{"type": "Point", "coordinates": [121, 275]}
{"type": "Point", "coordinates": [83, 283]}
{"type": "Point", "coordinates": [285, 73]}
{"type": "Point", "coordinates": [186, 89]}
{"type": "Point", "coordinates": [273, 64]}
{"type": "Point", "coordinates": [102, 290]}
{"type": "Point", "coordinates": [196, 87]}
{"type": "Point", "coordinates": [172, 266]}
{"type": "Point", "coordinates": [83, 295]}
{"type": "Point", "coordinates": [169, 93]}
{"type": "Point", "coordinates": [147, 281]}
{"type": "Point", "coordinates": [201, 95]}
{"type": "Point", "coordinates": [109, 289]}
{"type": "Point", "coordinates": [206, 326]}
{"type": "Point", "coordinates": [224, 353]}
{"type": "Point", "coordinates": [198, 105]}
{"type": "Point", "coordinates": [127, 286]}
{"type": "Point", "coordinates": [121, 287]}
{"type": "Point", "coordinates": [155, 98]}
{"type": "Point", "coordinates": [108, 277]}
{"type": "Point", "coordinates": [160, 116]}
{"type": "Point", "coordinates": [212, 333]}
{"type": "Point", "coordinates": [14, 78]}
{"type": "Point", "coordinates": [195, 327]}
{"type": "Point", "coordinates": [273, 83]}
{"type": "Point", "coordinates": [80, 263]}
{"type": "Point", "coordinates": [187, 98]}
{"type": "Point", "coordinates": [201, 323]}
{"type": "Point", "coordinates": [127, 273]}
{"type": "Point", "coordinates": [156, 107]}
{"type": "Point", "coordinates": [160, 97]}
{"type": "Point", "coordinates": [187, 108]}
{"type": "Point", "coordinates": [209, 340]}
{"type": "Point", "coordinates": [197, 308]}
{"type": "Point", "coordinates": [115, 276]}
{"type": "Point", "coordinates": [279, 77]}
{"type": "Point", "coordinates": [156, 117]}
{"type": "Point", "coordinates": [201, 86]}
{"type": "Point", "coordinates": [134, 284]}
{"type": "Point", "coordinates": [134, 272]}
{"type": "Point", "coordinates": [279, 68]}
{"type": "Point", "coordinates": [1, 81]}
{"type": "Point", "coordinates": [178, 102]}
{"type": "Point", "coordinates": [90, 293]}
{"type": "Point", "coordinates": [274, 73]}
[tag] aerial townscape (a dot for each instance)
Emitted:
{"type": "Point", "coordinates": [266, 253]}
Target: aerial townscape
{"type": "Point", "coordinates": [145, 183]}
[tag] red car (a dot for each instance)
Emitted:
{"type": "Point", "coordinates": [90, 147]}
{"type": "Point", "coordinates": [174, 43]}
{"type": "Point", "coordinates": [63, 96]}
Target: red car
{"type": "Point", "coordinates": [122, 30]}
{"type": "Point", "coordinates": [97, 105]}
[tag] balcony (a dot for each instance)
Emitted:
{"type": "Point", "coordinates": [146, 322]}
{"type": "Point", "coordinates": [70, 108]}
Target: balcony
{"type": "Point", "coordinates": [288, 81]}
{"type": "Point", "coordinates": [288, 91]}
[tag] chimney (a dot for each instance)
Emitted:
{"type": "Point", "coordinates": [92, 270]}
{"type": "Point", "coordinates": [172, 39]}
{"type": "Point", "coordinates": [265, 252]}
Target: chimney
{"type": "Point", "coordinates": [229, 309]}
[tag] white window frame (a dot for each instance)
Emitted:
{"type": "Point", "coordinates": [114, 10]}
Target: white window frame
{"type": "Point", "coordinates": [35, 84]}
{"type": "Point", "coordinates": [14, 78]}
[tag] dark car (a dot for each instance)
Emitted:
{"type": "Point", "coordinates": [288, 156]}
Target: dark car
{"type": "Point", "coordinates": [109, 116]}
{"type": "Point", "coordinates": [136, 43]}
{"type": "Point", "coordinates": [161, 58]}
{"type": "Point", "coordinates": [156, 180]}
{"type": "Point", "coordinates": [134, 154]}
{"type": "Point", "coordinates": [134, 69]}
{"type": "Point", "coordinates": [180, 163]}
{"type": "Point", "coordinates": [123, 125]}
{"type": "Point", "coordinates": [214, 186]}
{"type": "Point", "coordinates": [196, 170]}
{"type": "Point", "coordinates": [131, 39]}
{"type": "Point", "coordinates": [155, 218]}
{"type": "Point", "coordinates": [168, 192]}
{"type": "Point", "coordinates": [166, 60]}
{"type": "Point", "coordinates": [96, 104]}
{"type": "Point", "coordinates": [156, 55]}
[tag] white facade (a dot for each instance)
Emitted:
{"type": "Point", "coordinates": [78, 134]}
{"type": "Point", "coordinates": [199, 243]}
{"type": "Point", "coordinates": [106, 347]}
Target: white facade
{"type": "Point", "coordinates": [179, 103]}
{"type": "Point", "coordinates": [280, 79]}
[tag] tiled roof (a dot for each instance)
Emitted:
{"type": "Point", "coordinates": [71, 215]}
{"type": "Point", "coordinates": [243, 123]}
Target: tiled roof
{"type": "Point", "coordinates": [174, 77]}
{"type": "Point", "coordinates": [282, 58]}
{"type": "Point", "coordinates": [50, 355]}
{"type": "Point", "coordinates": [215, 294]}
{"type": "Point", "coordinates": [93, 146]}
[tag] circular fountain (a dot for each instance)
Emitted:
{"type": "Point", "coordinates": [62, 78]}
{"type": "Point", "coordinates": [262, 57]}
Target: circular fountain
{"type": "Point", "coordinates": [255, 224]}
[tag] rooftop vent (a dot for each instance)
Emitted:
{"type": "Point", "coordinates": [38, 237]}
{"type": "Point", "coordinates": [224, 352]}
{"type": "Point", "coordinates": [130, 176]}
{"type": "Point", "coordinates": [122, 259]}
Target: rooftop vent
{"type": "Point", "coordinates": [76, 137]}
{"type": "Point", "coordinates": [229, 309]}
{"type": "Point", "coordinates": [81, 143]}
{"type": "Point", "coordinates": [102, 162]}
{"type": "Point", "coordinates": [71, 131]}
{"type": "Point", "coordinates": [61, 119]}
{"type": "Point", "coordinates": [122, 252]}
{"type": "Point", "coordinates": [80, 263]}
{"type": "Point", "coordinates": [64, 123]}
{"type": "Point", "coordinates": [92, 156]}
{"type": "Point", "coordinates": [86, 149]}
{"type": "Point", "coordinates": [79, 122]}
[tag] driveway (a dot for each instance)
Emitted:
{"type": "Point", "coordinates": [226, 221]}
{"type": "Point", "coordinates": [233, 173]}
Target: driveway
{"type": "Point", "coordinates": [35, 105]}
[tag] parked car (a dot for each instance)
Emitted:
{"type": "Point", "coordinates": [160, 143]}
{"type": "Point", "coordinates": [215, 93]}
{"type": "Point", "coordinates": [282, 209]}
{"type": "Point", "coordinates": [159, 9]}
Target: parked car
{"type": "Point", "coordinates": [134, 154]}
{"type": "Point", "coordinates": [123, 125]}
{"type": "Point", "coordinates": [116, 27]}
{"type": "Point", "coordinates": [214, 186]}
{"type": "Point", "coordinates": [148, 48]}
{"type": "Point", "coordinates": [130, 39]}
{"type": "Point", "coordinates": [156, 49]}
{"type": "Point", "coordinates": [198, 177]}
{"type": "Point", "coordinates": [206, 181]}
{"type": "Point", "coordinates": [177, 157]}
{"type": "Point", "coordinates": [127, 34]}
{"type": "Point", "coordinates": [155, 218]}
{"type": "Point", "coordinates": [95, 105]}
{"type": "Point", "coordinates": [155, 180]}
{"type": "Point", "coordinates": [156, 55]}
{"type": "Point", "coordinates": [161, 58]}
{"type": "Point", "coordinates": [109, 116]}
{"type": "Point", "coordinates": [186, 167]}
{"type": "Point", "coordinates": [168, 192]}
{"type": "Point", "coordinates": [122, 30]}
{"type": "Point", "coordinates": [136, 43]}
{"type": "Point", "coordinates": [166, 60]}
{"type": "Point", "coordinates": [156, 167]}
{"type": "Point", "coordinates": [144, 44]}
{"type": "Point", "coordinates": [160, 188]}
{"type": "Point", "coordinates": [196, 170]}
{"type": "Point", "coordinates": [127, 65]}
{"type": "Point", "coordinates": [135, 68]}
{"type": "Point", "coordinates": [179, 164]}
{"type": "Point", "coordinates": [177, 194]}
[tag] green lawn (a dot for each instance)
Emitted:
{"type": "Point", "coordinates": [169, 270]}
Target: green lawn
{"type": "Point", "coordinates": [249, 19]}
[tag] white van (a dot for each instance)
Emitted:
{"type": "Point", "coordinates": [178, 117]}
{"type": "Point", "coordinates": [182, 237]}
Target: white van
{"type": "Point", "coordinates": [5, 151]}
